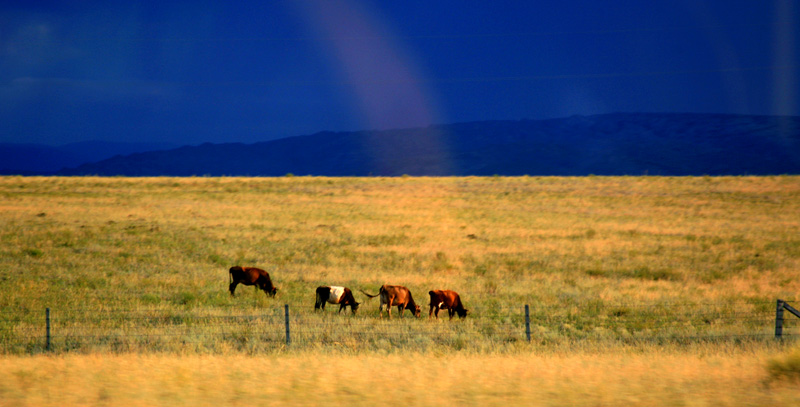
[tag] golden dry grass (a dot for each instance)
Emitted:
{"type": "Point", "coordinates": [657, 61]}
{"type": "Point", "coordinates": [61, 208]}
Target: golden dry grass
{"type": "Point", "coordinates": [615, 238]}
{"type": "Point", "coordinates": [594, 256]}
{"type": "Point", "coordinates": [111, 243]}
{"type": "Point", "coordinates": [703, 377]}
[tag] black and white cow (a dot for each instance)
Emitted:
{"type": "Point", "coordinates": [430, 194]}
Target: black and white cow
{"type": "Point", "coordinates": [335, 295]}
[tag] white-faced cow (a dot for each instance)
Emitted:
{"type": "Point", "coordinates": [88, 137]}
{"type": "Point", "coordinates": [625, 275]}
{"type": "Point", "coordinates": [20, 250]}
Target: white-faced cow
{"type": "Point", "coordinates": [335, 295]}
{"type": "Point", "coordinates": [395, 295]}
{"type": "Point", "coordinates": [446, 299]}
{"type": "Point", "coordinates": [251, 276]}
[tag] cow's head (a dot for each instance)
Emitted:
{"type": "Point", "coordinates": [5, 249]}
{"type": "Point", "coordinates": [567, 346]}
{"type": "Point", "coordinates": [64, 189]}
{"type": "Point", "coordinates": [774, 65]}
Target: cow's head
{"type": "Point", "coordinates": [462, 312]}
{"type": "Point", "coordinates": [268, 288]}
{"type": "Point", "coordinates": [417, 311]}
{"type": "Point", "coordinates": [354, 307]}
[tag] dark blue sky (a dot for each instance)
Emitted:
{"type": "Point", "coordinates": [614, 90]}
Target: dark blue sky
{"type": "Point", "coordinates": [247, 71]}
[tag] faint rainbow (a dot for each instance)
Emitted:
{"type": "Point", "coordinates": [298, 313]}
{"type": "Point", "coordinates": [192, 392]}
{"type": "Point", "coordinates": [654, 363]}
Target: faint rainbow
{"type": "Point", "coordinates": [387, 85]}
{"type": "Point", "coordinates": [785, 48]}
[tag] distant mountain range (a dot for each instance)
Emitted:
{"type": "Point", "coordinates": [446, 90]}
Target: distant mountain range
{"type": "Point", "coordinates": [38, 159]}
{"type": "Point", "coordinates": [608, 144]}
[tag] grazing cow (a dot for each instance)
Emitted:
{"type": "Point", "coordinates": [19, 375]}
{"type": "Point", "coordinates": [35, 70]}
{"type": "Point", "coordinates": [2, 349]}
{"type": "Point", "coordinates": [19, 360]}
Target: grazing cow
{"type": "Point", "coordinates": [395, 295]}
{"type": "Point", "coordinates": [335, 295]}
{"type": "Point", "coordinates": [251, 276]}
{"type": "Point", "coordinates": [446, 299]}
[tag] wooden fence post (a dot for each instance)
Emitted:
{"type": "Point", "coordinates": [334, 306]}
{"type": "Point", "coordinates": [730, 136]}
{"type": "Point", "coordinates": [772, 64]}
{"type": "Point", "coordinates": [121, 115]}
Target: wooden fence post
{"type": "Point", "coordinates": [286, 316]}
{"type": "Point", "coordinates": [527, 322]}
{"type": "Point", "coordinates": [791, 309]}
{"type": "Point", "coordinates": [783, 305]}
{"type": "Point", "coordinates": [47, 323]}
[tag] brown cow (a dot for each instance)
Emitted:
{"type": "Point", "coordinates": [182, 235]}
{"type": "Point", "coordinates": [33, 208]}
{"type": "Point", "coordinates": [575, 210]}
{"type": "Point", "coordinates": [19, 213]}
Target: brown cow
{"type": "Point", "coordinates": [335, 295]}
{"type": "Point", "coordinates": [446, 299]}
{"type": "Point", "coordinates": [251, 276]}
{"type": "Point", "coordinates": [395, 295]}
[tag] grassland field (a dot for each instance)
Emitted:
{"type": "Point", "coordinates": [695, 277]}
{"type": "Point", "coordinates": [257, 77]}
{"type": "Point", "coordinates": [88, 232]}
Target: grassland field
{"type": "Point", "coordinates": [604, 262]}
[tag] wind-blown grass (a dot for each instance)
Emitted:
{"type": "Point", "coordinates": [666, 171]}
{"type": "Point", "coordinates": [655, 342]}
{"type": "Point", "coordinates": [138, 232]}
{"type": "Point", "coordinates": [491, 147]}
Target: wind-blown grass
{"type": "Point", "coordinates": [657, 377]}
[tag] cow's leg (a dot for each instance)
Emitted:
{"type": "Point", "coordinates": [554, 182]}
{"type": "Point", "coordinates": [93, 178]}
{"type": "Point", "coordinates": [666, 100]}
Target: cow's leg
{"type": "Point", "coordinates": [437, 312]}
{"type": "Point", "coordinates": [451, 312]}
{"type": "Point", "coordinates": [400, 309]}
{"type": "Point", "coordinates": [389, 302]}
{"type": "Point", "coordinates": [341, 307]}
{"type": "Point", "coordinates": [430, 311]}
{"type": "Point", "coordinates": [232, 288]}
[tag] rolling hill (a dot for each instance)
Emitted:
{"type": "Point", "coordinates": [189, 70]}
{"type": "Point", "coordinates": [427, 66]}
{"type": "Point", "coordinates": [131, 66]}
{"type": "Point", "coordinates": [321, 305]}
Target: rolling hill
{"type": "Point", "coordinates": [608, 144]}
{"type": "Point", "coordinates": [39, 159]}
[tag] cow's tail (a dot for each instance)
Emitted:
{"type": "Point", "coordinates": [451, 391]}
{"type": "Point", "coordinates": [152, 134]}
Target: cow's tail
{"type": "Point", "coordinates": [369, 295]}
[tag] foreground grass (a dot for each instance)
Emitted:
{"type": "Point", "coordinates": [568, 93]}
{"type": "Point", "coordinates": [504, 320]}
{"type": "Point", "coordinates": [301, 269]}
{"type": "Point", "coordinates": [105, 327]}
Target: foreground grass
{"type": "Point", "coordinates": [652, 377]}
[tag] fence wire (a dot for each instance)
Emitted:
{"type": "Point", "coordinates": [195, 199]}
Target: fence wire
{"type": "Point", "coordinates": [229, 329]}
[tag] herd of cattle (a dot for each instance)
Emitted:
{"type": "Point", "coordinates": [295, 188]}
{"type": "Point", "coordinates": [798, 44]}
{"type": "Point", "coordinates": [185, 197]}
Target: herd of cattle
{"type": "Point", "coordinates": [390, 295]}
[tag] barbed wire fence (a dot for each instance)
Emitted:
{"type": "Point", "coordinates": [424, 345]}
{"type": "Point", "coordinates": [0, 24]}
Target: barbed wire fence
{"type": "Point", "coordinates": [171, 329]}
